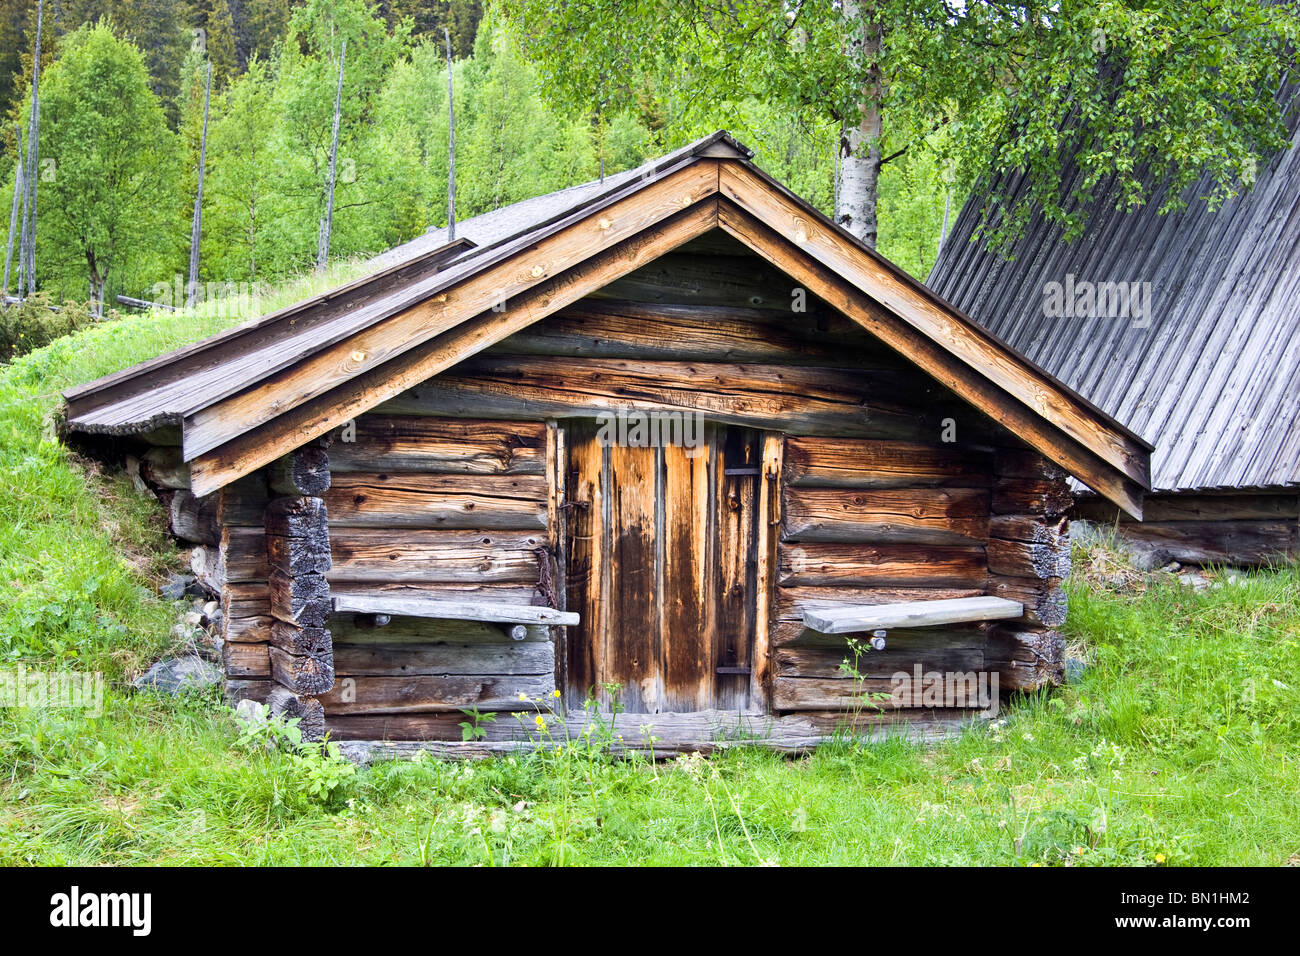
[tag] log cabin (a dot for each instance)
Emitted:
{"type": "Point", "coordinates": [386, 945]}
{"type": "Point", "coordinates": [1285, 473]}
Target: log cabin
{"type": "Point", "coordinates": [1210, 372]}
{"type": "Point", "coordinates": [673, 442]}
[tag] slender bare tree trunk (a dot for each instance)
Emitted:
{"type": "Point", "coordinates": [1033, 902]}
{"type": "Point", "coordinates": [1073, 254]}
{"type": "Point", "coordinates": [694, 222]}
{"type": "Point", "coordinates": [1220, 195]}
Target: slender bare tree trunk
{"type": "Point", "coordinates": [13, 213]}
{"type": "Point", "coordinates": [252, 237]}
{"type": "Point", "coordinates": [97, 282]}
{"type": "Point", "coordinates": [196, 225]}
{"type": "Point", "coordinates": [943, 230]}
{"type": "Point", "coordinates": [860, 146]}
{"type": "Point", "coordinates": [28, 255]}
{"type": "Point", "coordinates": [451, 147]}
{"type": "Point", "coordinates": [327, 224]}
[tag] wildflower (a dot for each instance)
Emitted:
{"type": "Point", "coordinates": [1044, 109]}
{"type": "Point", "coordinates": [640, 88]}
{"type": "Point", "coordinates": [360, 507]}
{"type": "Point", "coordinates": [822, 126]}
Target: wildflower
{"type": "Point", "coordinates": [523, 697]}
{"type": "Point", "coordinates": [540, 721]}
{"type": "Point", "coordinates": [1099, 821]}
{"type": "Point", "coordinates": [1160, 858]}
{"type": "Point", "coordinates": [555, 694]}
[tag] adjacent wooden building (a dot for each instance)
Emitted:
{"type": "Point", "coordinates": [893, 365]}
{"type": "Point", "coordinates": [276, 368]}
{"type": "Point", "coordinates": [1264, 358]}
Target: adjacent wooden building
{"type": "Point", "coordinates": [674, 433]}
{"type": "Point", "coordinates": [1210, 372]}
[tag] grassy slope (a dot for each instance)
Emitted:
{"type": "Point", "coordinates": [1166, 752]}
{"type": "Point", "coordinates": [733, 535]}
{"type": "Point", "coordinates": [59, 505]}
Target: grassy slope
{"type": "Point", "coordinates": [1179, 746]}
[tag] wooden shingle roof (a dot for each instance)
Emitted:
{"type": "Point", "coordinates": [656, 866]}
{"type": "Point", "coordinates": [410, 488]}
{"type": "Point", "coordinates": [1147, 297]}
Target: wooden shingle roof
{"type": "Point", "coordinates": [247, 397]}
{"type": "Point", "coordinates": [1214, 380]}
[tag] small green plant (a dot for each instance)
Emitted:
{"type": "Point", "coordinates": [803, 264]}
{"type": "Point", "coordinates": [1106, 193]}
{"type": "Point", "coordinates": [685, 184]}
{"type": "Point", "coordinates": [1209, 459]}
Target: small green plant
{"type": "Point", "coordinates": [266, 731]}
{"type": "Point", "coordinates": [319, 771]}
{"type": "Point", "coordinates": [860, 699]}
{"type": "Point", "coordinates": [322, 771]}
{"type": "Point", "coordinates": [473, 728]}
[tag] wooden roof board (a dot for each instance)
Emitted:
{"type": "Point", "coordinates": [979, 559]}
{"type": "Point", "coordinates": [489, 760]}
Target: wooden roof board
{"type": "Point", "coordinates": [916, 303]}
{"type": "Point", "coordinates": [1214, 379]}
{"type": "Point", "coordinates": [279, 402]}
{"type": "Point", "coordinates": [93, 404]}
{"type": "Point", "coordinates": [955, 372]}
{"type": "Point", "coordinates": [348, 399]}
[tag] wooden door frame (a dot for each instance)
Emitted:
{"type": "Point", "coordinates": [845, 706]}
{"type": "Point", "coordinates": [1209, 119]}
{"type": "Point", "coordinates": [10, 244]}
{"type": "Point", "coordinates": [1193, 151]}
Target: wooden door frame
{"type": "Point", "coordinates": [771, 459]}
{"type": "Point", "coordinates": [556, 498]}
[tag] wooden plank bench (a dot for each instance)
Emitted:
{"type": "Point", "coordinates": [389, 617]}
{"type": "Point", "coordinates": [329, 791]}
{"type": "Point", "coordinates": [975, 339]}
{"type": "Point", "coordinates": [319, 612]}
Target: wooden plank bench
{"type": "Point", "coordinates": [855, 618]}
{"type": "Point", "coordinates": [487, 611]}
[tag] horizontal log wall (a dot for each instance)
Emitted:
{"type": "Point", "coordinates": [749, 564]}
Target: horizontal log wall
{"type": "Point", "coordinates": [655, 735]}
{"type": "Point", "coordinates": [237, 567]}
{"type": "Point", "coordinates": [882, 522]}
{"type": "Point", "coordinates": [442, 508]}
{"type": "Point", "coordinates": [709, 328]}
{"type": "Point", "coordinates": [1247, 528]}
{"type": "Point", "coordinates": [870, 521]}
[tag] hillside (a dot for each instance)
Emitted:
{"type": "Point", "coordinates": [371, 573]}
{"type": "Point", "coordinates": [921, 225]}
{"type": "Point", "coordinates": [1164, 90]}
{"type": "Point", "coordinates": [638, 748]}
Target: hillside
{"type": "Point", "coordinates": [1177, 745]}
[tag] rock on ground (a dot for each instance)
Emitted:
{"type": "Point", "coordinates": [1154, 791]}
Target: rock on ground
{"type": "Point", "coordinates": [179, 675]}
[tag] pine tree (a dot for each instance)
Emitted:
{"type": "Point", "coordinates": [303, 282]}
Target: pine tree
{"type": "Point", "coordinates": [264, 25]}
{"type": "Point", "coordinates": [217, 38]}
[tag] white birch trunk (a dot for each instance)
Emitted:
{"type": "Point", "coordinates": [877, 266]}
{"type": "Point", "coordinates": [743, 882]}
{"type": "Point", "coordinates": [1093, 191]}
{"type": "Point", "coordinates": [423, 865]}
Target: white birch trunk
{"type": "Point", "coordinates": [860, 146]}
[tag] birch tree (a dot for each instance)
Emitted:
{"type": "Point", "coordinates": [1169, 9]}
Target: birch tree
{"type": "Point", "coordinates": [109, 191]}
{"type": "Point", "coordinates": [1121, 85]}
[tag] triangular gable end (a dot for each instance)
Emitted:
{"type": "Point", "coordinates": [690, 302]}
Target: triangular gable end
{"type": "Point", "coordinates": [466, 309]}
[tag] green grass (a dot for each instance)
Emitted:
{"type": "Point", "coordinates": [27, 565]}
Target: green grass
{"type": "Point", "coordinates": [1179, 746]}
{"type": "Point", "coordinates": [65, 591]}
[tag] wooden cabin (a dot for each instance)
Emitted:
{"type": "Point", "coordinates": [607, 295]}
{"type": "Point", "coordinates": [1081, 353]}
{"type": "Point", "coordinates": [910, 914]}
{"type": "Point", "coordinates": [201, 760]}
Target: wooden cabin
{"type": "Point", "coordinates": [1211, 372]}
{"type": "Point", "coordinates": [674, 432]}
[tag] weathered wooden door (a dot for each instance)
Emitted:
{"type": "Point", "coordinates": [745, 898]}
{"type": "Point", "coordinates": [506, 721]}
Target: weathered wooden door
{"type": "Point", "coordinates": [661, 566]}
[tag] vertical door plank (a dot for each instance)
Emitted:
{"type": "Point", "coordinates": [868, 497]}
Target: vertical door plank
{"type": "Point", "coordinates": [768, 530]}
{"type": "Point", "coordinates": [690, 574]}
{"type": "Point", "coordinates": [586, 554]}
{"type": "Point", "coordinates": [632, 647]}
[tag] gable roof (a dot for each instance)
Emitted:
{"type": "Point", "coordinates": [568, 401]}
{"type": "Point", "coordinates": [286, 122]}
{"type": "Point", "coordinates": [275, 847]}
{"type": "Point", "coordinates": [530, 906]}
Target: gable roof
{"type": "Point", "coordinates": [251, 395]}
{"type": "Point", "coordinates": [1215, 378]}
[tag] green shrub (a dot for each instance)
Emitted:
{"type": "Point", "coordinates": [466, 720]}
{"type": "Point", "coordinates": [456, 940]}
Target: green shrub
{"type": "Point", "coordinates": [35, 323]}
